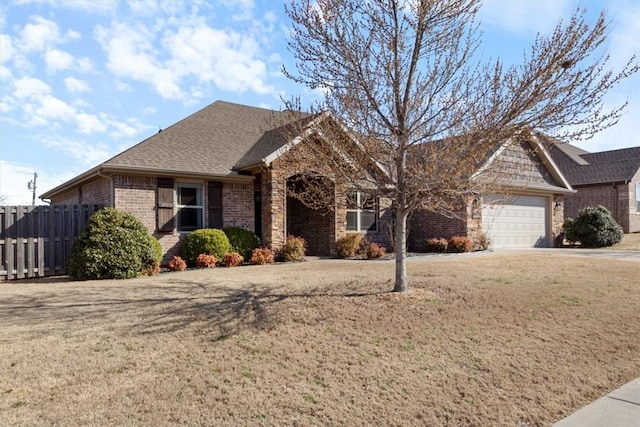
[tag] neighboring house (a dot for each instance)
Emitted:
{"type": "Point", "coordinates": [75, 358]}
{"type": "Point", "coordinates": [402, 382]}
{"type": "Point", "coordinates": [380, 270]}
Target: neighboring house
{"type": "Point", "coordinates": [607, 178]}
{"type": "Point", "coordinates": [224, 166]}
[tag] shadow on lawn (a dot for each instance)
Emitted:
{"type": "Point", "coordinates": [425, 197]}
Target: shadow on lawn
{"type": "Point", "coordinates": [231, 311]}
{"type": "Point", "coordinates": [149, 309]}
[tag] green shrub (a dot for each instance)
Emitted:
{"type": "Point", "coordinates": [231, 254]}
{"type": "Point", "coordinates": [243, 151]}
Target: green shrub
{"type": "Point", "coordinates": [242, 241]}
{"type": "Point", "coordinates": [177, 264]}
{"type": "Point", "coordinates": [459, 244]}
{"type": "Point", "coordinates": [206, 261]}
{"type": "Point", "coordinates": [350, 245]}
{"type": "Point", "coordinates": [375, 250]}
{"type": "Point", "coordinates": [210, 241]}
{"type": "Point", "coordinates": [232, 259]}
{"type": "Point", "coordinates": [593, 227]}
{"type": "Point", "coordinates": [113, 245]}
{"type": "Point", "coordinates": [293, 249]}
{"type": "Point", "coordinates": [436, 245]}
{"type": "Point", "coordinates": [260, 256]}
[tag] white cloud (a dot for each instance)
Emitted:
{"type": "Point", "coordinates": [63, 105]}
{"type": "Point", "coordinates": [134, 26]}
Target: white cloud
{"type": "Point", "coordinates": [85, 65]}
{"type": "Point", "coordinates": [523, 16]}
{"type": "Point", "coordinates": [228, 59]}
{"type": "Point", "coordinates": [54, 108]}
{"type": "Point", "coordinates": [29, 87]}
{"type": "Point", "coordinates": [89, 124]}
{"type": "Point", "coordinates": [193, 54]}
{"type": "Point", "coordinates": [7, 49]}
{"type": "Point", "coordinates": [5, 74]}
{"type": "Point", "coordinates": [39, 35]}
{"type": "Point", "coordinates": [58, 60]}
{"type": "Point", "coordinates": [75, 85]}
{"type": "Point", "coordinates": [82, 151]}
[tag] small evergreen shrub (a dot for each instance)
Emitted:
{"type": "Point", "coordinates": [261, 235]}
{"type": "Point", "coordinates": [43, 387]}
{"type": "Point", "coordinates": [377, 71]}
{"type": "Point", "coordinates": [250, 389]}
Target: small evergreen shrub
{"type": "Point", "coordinates": [350, 245]}
{"type": "Point", "coordinates": [232, 259]}
{"type": "Point", "coordinates": [113, 245]}
{"type": "Point", "coordinates": [154, 269]}
{"type": "Point", "coordinates": [241, 240]}
{"type": "Point", "coordinates": [436, 245]}
{"type": "Point", "coordinates": [177, 264]}
{"type": "Point", "coordinates": [210, 241]}
{"type": "Point", "coordinates": [375, 250]}
{"type": "Point", "coordinates": [593, 227]}
{"type": "Point", "coordinates": [293, 249]}
{"type": "Point", "coordinates": [206, 261]}
{"type": "Point", "coordinates": [459, 244]}
{"type": "Point", "coordinates": [261, 256]}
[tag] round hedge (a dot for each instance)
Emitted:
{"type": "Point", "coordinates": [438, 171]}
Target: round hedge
{"type": "Point", "coordinates": [113, 245]}
{"type": "Point", "coordinates": [242, 241]}
{"type": "Point", "coordinates": [594, 227]}
{"type": "Point", "coordinates": [210, 241]}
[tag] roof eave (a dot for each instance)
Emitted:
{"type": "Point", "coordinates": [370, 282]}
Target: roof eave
{"type": "Point", "coordinates": [102, 169]}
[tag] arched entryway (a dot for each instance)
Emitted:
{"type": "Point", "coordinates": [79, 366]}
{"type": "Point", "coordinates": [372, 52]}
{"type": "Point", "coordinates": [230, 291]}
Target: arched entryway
{"type": "Point", "coordinates": [311, 212]}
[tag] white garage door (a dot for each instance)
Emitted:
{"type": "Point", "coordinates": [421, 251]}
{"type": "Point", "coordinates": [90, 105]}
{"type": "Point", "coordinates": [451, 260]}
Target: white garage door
{"type": "Point", "coordinates": [515, 221]}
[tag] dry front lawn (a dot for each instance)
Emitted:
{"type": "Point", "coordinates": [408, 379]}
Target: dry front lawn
{"type": "Point", "coordinates": [513, 339]}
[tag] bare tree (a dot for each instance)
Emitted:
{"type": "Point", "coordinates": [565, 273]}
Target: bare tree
{"type": "Point", "coordinates": [418, 111]}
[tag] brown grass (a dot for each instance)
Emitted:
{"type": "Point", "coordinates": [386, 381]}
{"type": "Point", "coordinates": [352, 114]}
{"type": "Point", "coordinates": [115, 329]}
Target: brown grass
{"type": "Point", "coordinates": [484, 339]}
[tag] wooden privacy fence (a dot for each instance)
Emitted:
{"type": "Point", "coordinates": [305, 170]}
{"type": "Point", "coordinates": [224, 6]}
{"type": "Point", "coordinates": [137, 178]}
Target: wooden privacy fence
{"type": "Point", "coordinates": [35, 240]}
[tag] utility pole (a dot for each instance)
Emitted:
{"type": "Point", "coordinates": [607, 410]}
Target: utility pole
{"type": "Point", "coordinates": [32, 186]}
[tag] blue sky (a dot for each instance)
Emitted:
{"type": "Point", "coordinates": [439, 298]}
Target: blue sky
{"type": "Point", "coordinates": [81, 80]}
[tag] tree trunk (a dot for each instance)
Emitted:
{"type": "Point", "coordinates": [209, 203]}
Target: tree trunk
{"type": "Point", "coordinates": [401, 284]}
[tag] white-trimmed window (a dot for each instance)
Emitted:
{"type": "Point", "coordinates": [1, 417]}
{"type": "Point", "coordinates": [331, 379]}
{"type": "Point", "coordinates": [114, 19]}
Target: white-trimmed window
{"type": "Point", "coordinates": [190, 210]}
{"type": "Point", "coordinates": [638, 197]}
{"type": "Point", "coordinates": [362, 212]}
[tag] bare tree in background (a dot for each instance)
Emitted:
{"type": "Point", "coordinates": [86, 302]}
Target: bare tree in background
{"type": "Point", "coordinates": [417, 110]}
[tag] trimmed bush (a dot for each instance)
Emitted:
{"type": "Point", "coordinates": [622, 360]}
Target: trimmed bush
{"type": "Point", "coordinates": [210, 241]}
{"type": "Point", "coordinates": [177, 264]}
{"type": "Point", "coordinates": [594, 227]}
{"type": "Point", "coordinates": [113, 245]}
{"type": "Point", "coordinates": [232, 259]}
{"type": "Point", "coordinates": [437, 245]}
{"type": "Point", "coordinates": [154, 269]}
{"type": "Point", "coordinates": [206, 261]}
{"type": "Point", "coordinates": [241, 240]}
{"type": "Point", "coordinates": [459, 244]}
{"type": "Point", "coordinates": [261, 256]}
{"type": "Point", "coordinates": [375, 250]}
{"type": "Point", "coordinates": [293, 249]}
{"type": "Point", "coordinates": [350, 245]}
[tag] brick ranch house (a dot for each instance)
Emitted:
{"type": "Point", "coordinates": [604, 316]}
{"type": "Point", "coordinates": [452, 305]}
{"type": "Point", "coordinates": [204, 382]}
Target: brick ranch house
{"type": "Point", "coordinates": [222, 167]}
{"type": "Point", "coordinates": [607, 178]}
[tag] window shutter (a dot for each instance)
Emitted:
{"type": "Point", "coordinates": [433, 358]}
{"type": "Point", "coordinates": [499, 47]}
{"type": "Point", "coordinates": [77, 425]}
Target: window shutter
{"type": "Point", "coordinates": [165, 211]}
{"type": "Point", "coordinates": [215, 204]}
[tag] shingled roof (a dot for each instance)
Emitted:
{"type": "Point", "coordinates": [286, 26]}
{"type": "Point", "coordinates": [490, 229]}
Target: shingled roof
{"type": "Point", "coordinates": [210, 142]}
{"type": "Point", "coordinates": [583, 168]}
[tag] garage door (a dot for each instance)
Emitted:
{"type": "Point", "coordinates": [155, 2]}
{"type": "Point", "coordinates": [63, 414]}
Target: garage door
{"type": "Point", "coordinates": [515, 221]}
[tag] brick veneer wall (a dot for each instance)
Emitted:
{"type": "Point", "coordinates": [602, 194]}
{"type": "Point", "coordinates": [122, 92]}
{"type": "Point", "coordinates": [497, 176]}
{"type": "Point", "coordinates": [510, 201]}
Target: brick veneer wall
{"type": "Point", "coordinates": [237, 205]}
{"type": "Point", "coordinates": [423, 225]}
{"type": "Point", "coordinates": [94, 192]}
